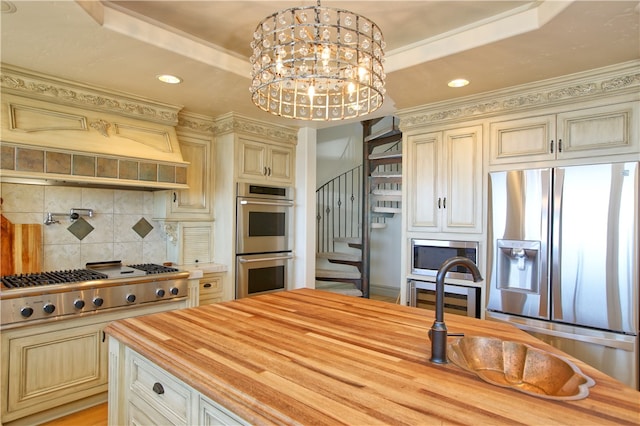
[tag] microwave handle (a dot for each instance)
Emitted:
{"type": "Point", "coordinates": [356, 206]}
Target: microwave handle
{"type": "Point", "coordinates": [265, 259]}
{"type": "Point", "coordinates": [268, 203]}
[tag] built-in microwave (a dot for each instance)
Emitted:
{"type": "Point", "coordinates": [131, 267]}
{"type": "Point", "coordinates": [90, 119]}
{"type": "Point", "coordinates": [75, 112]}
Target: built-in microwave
{"type": "Point", "coordinates": [428, 255]}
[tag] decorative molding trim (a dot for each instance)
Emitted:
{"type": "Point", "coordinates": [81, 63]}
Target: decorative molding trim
{"type": "Point", "coordinates": [195, 122]}
{"type": "Point", "coordinates": [33, 85]}
{"type": "Point", "coordinates": [171, 229]}
{"type": "Point", "coordinates": [234, 123]}
{"type": "Point", "coordinates": [618, 79]}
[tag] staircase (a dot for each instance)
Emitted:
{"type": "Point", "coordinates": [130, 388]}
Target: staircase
{"type": "Point", "coordinates": [344, 225]}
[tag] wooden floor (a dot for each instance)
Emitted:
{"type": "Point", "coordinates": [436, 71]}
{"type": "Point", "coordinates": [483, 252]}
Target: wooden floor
{"type": "Point", "coordinates": [97, 416]}
{"type": "Point", "coordinates": [94, 416]}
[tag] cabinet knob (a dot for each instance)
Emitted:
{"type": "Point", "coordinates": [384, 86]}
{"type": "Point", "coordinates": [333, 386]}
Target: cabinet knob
{"type": "Point", "coordinates": [157, 388]}
{"type": "Point", "coordinates": [264, 171]}
{"type": "Point", "coordinates": [439, 202]}
{"type": "Point", "coordinates": [207, 285]}
{"type": "Point", "coordinates": [559, 145]}
{"type": "Point", "coordinates": [269, 169]}
{"type": "Point", "coordinates": [444, 203]}
{"type": "Point", "coordinates": [551, 147]}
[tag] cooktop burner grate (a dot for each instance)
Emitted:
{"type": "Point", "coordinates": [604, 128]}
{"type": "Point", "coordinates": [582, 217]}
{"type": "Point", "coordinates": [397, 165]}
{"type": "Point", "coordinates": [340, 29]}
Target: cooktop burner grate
{"type": "Point", "coordinates": [151, 268]}
{"type": "Point", "coordinates": [54, 277]}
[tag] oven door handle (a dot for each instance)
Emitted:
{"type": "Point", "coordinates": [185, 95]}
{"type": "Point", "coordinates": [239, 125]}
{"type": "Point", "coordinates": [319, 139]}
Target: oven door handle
{"type": "Point", "coordinates": [265, 259]}
{"type": "Point", "coordinates": [268, 203]}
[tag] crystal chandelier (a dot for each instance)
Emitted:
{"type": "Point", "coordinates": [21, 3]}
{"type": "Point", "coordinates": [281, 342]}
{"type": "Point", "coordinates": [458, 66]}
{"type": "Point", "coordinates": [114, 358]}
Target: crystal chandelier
{"type": "Point", "coordinates": [317, 63]}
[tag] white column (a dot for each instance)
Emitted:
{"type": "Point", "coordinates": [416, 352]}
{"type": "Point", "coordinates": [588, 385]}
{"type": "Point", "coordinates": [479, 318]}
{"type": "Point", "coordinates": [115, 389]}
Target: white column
{"type": "Point", "coordinates": [305, 210]}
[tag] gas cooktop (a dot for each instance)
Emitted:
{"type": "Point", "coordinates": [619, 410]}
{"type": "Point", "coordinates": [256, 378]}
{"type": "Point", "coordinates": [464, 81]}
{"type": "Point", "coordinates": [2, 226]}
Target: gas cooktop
{"type": "Point", "coordinates": [93, 271]}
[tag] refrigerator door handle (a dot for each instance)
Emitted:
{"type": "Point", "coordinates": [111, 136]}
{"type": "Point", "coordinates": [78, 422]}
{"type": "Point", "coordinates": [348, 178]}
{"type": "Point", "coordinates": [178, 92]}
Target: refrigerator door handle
{"type": "Point", "coordinates": [556, 241]}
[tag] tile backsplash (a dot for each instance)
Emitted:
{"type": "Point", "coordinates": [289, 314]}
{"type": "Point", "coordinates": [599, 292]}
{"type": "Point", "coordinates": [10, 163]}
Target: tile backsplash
{"type": "Point", "coordinates": [118, 224]}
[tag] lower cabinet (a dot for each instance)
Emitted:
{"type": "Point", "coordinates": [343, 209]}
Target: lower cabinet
{"type": "Point", "coordinates": [53, 369]}
{"type": "Point", "coordinates": [44, 367]}
{"type": "Point", "coordinates": [210, 289]}
{"type": "Point", "coordinates": [142, 393]}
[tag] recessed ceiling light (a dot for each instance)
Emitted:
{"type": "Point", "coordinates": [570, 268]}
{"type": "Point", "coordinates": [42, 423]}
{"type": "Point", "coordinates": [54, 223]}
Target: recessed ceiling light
{"type": "Point", "coordinates": [458, 82]}
{"type": "Point", "coordinates": [168, 78]}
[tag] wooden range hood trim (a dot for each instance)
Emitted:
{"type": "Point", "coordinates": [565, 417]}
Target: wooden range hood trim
{"type": "Point", "coordinates": [60, 132]}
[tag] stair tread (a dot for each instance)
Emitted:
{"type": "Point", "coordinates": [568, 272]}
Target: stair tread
{"type": "Point", "coordinates": [386, 174]}
{"type": "Point", "coordinates": [385, 154]}
{"type": "Point", "coordinates": [377, 209]}
{"type": "Point", "coordinates": [382, 191]}
{"type": "Point", "coordinates": [385, 197]}
{"type": "Point", "coordinates": [331, 273]}
{"type": "Point", "coordinates": [339, 256]}
{"type": "Point", "coordinates": [385, 134]}
{"type": "Point", "coordinates": [347, 240]}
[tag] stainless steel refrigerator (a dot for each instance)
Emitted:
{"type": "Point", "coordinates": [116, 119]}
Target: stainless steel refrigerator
{"type": "Point", "coordinates": [563, 250]}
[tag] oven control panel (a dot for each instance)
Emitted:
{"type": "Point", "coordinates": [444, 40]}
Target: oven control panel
{"type": "Point", "coordinates": [77, 302]}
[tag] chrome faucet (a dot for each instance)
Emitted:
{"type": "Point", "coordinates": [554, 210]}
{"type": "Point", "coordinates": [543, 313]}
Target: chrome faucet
{"type": "Point", "coordinates": [438, 333]}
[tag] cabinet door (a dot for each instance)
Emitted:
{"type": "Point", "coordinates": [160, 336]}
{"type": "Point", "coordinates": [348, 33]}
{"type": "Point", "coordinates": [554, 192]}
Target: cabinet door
{"type": "Point", "coordinates": [196, 199]}
{"type": "Point", "coordinates": [607, 130]}
{"type": "Point", "coordinates": [49, 369]}
{"type": "Point", "coordinates": [194, 203]}
{"type": "Point", "coordinates": [523, 140]}
{"type": "Point", "coordinates": [280, 164]}
{"type": "Point", "coordinates": [253, 160]}
{"type": "Point", "coordinates": [462, 185]}
{"type": "Point", "coordinates": [423, 180]}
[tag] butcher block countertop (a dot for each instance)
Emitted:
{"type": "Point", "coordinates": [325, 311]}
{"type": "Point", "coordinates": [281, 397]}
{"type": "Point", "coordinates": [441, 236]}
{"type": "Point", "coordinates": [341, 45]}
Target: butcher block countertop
{"type": "Point", "coordinates": [314, 357]}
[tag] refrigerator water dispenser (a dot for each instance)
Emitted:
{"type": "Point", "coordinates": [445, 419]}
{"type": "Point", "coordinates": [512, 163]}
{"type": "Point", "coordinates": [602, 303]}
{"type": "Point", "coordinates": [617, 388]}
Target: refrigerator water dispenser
{"type": "Point", "coordinates": [518, 265]}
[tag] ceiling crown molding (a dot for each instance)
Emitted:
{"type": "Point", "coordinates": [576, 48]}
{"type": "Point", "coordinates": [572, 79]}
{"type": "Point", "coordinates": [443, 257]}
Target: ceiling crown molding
{"type": "Point", "coordinates": [35, 85]}
{"type": "Point", "coordinates": [233, 122]}
{"type": "Point", "coordinates": [613, 80]}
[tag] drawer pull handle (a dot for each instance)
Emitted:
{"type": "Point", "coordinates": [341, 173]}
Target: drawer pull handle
{"type": "Point", "coordinates": [207, 285]}
{"type": "Point", "coordinates": [157, 388]}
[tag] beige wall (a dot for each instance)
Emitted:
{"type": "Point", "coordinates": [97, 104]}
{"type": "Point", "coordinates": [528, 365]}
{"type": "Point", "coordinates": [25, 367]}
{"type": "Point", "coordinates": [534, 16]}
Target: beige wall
{"type": "Point", "coordinates": [115, 213]}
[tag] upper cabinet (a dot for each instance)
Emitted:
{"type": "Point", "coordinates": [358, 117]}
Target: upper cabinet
{"type": "Point", "coordinates": [196, 202]}
{"type": "Point", "coordinates": [261, 161]}
{"type": "Point", "coordinates": [444, 180]}
{"type": "Point", "coordinates": [604, 130]}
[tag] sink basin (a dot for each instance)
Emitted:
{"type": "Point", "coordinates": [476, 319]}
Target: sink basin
{"type": "Point", "coordinates": [521, 367]}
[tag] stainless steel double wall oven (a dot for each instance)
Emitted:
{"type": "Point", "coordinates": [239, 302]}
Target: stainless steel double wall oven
{"type": "Point", "coordinates": [264, 224]}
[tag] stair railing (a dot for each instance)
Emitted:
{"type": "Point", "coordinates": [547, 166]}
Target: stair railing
{"type": "Point", "coordinates": [339, 209]}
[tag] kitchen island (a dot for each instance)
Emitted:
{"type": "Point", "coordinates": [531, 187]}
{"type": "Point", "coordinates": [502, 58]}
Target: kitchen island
{"type": "Point", "coordinates": [313, 357]}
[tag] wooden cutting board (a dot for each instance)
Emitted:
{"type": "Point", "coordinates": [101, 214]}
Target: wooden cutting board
{"type": "Point", "coordinates": [21, 247]}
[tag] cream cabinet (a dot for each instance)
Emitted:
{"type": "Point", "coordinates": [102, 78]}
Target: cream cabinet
{"type": "Point", "coordinates": [444, 180]}
{"type": "Point", "coordinates": [196, 202]}
{"type": "Point", "coordinates": [260, 161]}
{"type": "Point", "coordinates": [55, 368]}
{"type": "Point", "coordinates": [210, 289]}
{"type": "Point", "coordinates": [189, 243]}
{"type": "Point", "coordinates": [45, 367]}
{"type": "Point", "coordinates": [588, 132]}
{"type": "Point", "coordinates": [141, 393]}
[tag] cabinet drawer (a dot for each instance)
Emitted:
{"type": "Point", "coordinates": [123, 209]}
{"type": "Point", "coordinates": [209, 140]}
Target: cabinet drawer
{"type": "Point", "coordinates": [212, 413]}
{"type": "Point", "coordinates": [210, 286]}
{"type": "Point", "coordinates": [163, 393]}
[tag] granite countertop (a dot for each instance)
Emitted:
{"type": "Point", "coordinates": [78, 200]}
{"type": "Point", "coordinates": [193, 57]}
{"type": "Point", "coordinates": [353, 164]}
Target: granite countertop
{"type": "Point", "coordinates": [313, 357]}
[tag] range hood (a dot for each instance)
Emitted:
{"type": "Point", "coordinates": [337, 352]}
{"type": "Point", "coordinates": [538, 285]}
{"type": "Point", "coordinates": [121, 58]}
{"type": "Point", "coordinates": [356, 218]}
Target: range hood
{"type": "Point", "coordinates": [60, 132]}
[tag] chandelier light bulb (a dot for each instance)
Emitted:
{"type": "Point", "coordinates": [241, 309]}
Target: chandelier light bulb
{"type": "Point", "coordinates": [317, 63]}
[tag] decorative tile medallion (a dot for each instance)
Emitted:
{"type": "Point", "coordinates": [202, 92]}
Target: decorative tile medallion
{"type": "Point", "coordinates": [142, 228]}
{"type": "Point", "coordinates": [80, 228]}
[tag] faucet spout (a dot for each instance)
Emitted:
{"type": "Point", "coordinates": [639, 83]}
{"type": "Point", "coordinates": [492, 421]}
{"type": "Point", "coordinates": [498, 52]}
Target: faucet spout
{"type": "Point", "coordinates": [438, 333]}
